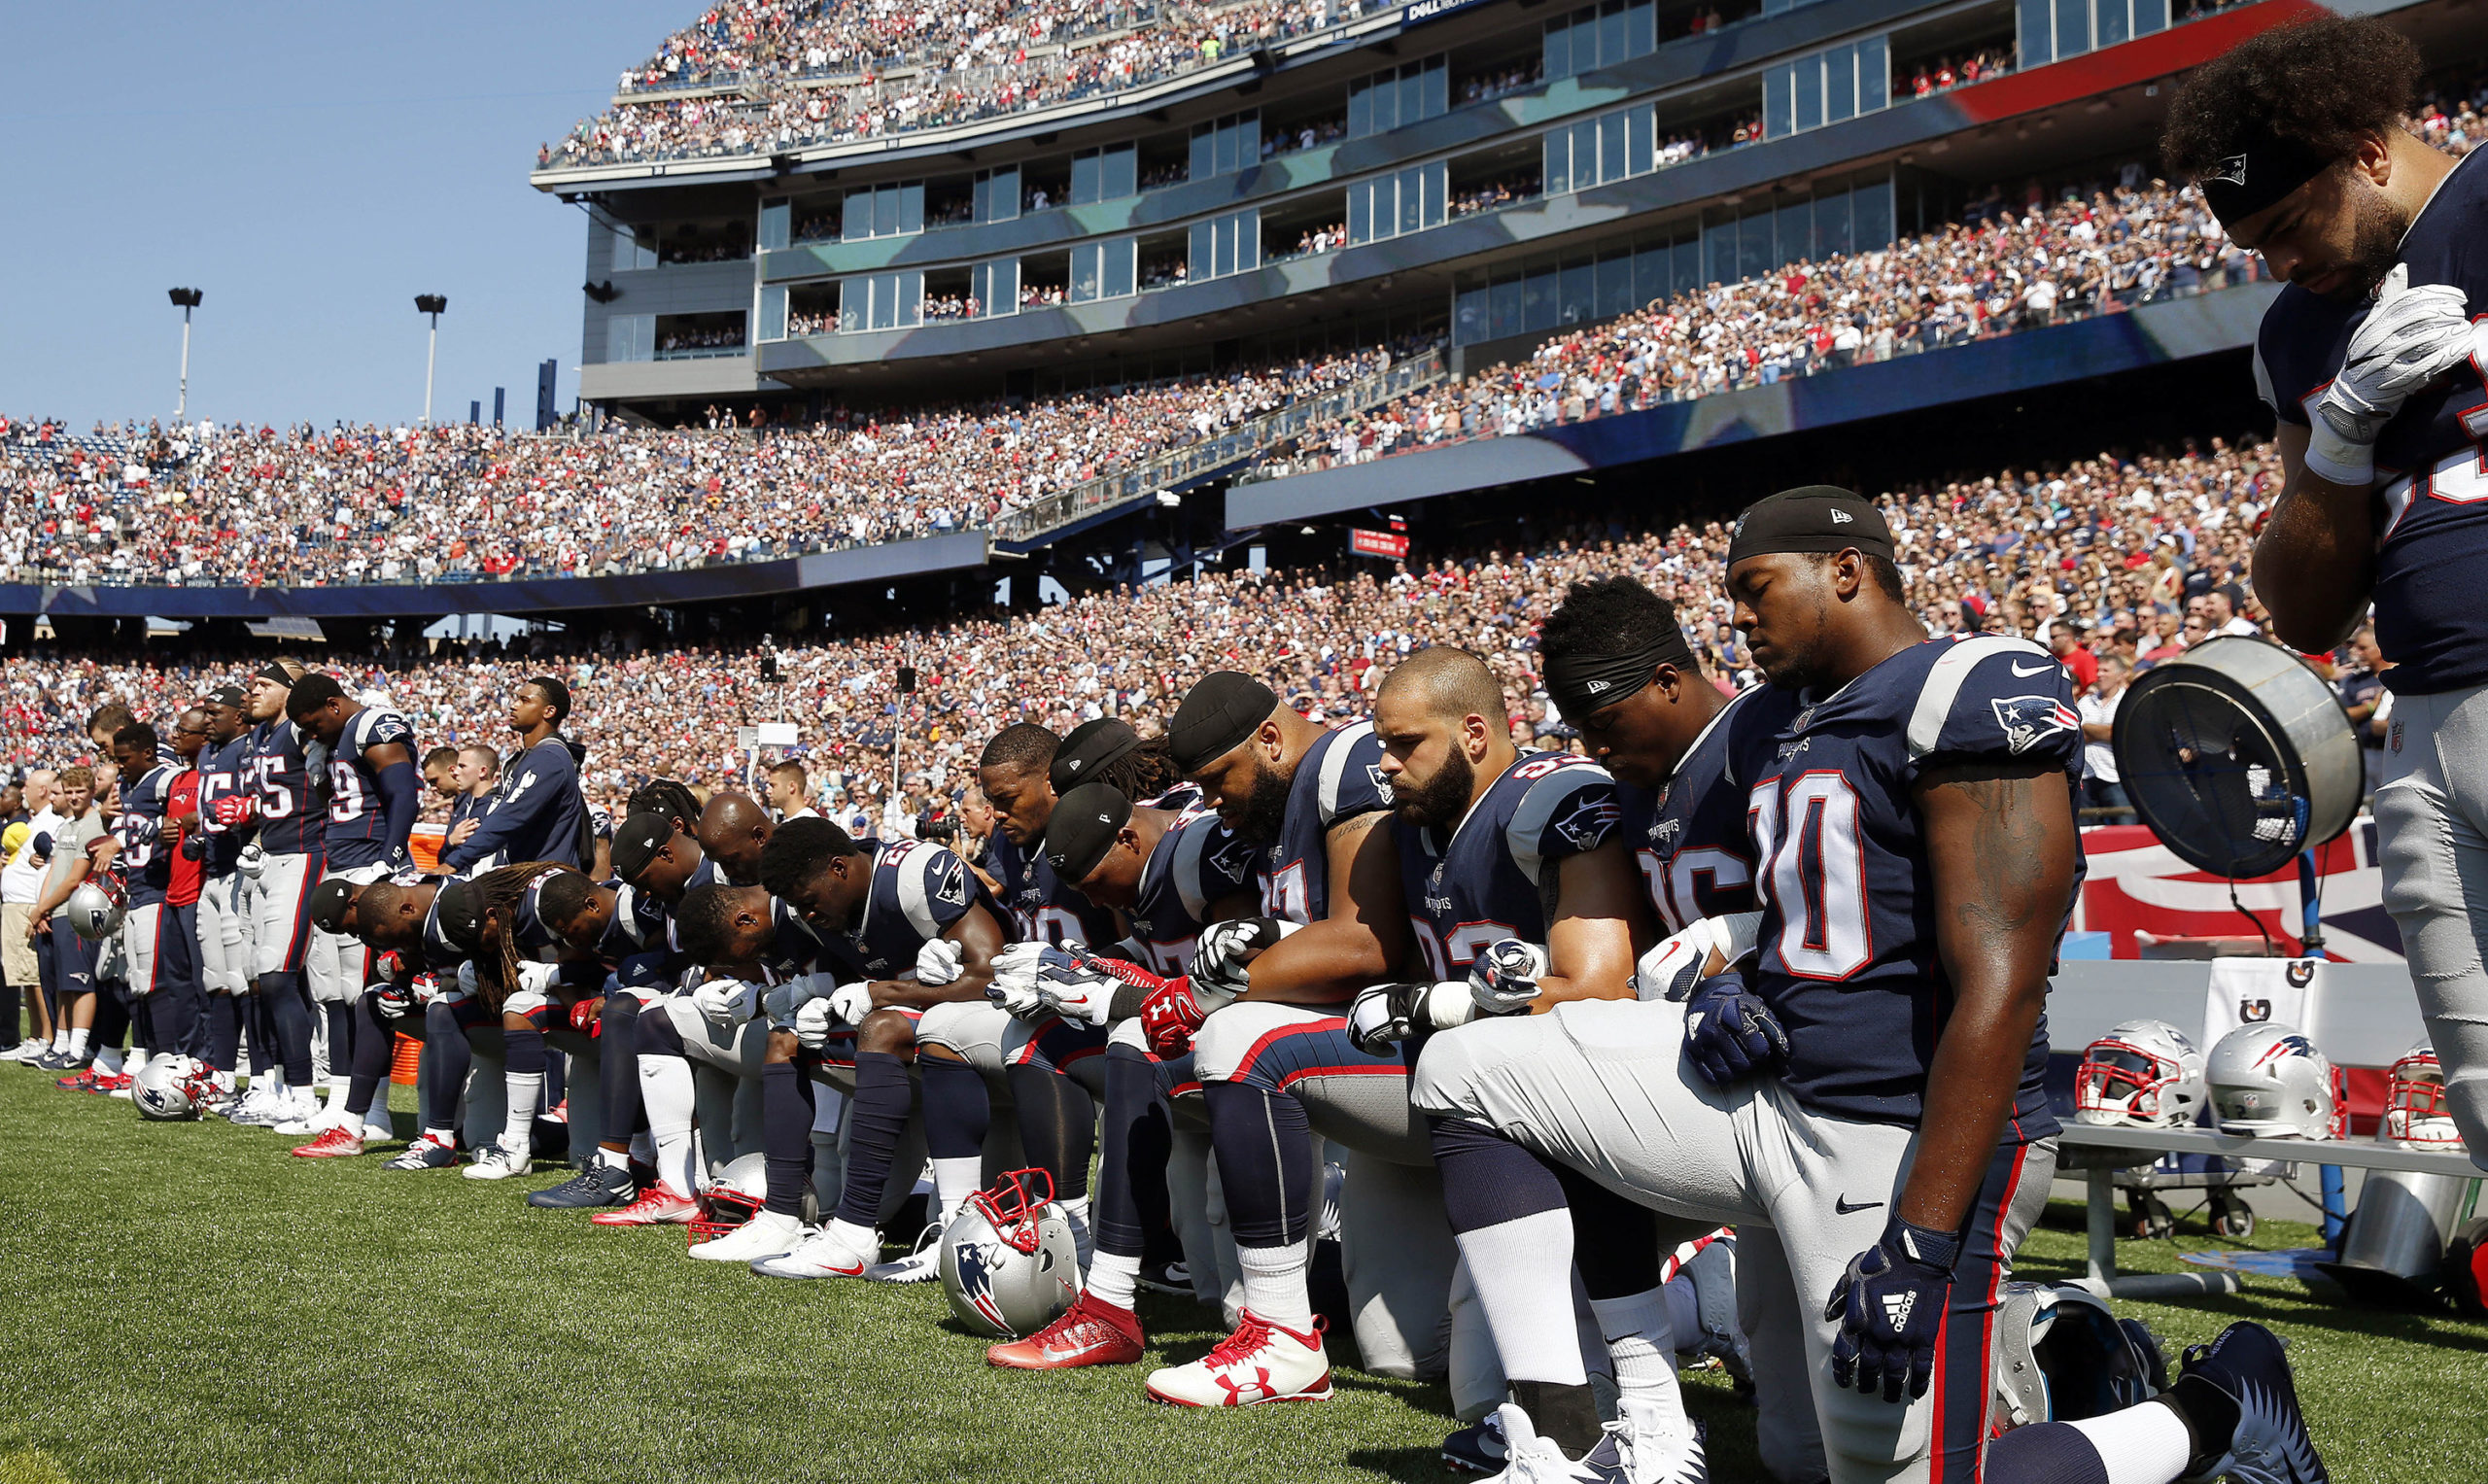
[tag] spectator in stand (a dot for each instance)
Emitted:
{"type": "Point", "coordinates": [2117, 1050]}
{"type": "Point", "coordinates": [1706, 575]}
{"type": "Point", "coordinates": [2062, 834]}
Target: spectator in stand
{"type": "Point", "coordinates": [2102, 789]}
{"type": "Point", "coordinates": [2361, 682]}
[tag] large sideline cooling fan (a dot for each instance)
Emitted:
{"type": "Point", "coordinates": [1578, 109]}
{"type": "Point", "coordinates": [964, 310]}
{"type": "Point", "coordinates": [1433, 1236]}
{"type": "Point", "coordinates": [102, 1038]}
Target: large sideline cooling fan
{"type": "Point", "coordinates": [2238, 756]}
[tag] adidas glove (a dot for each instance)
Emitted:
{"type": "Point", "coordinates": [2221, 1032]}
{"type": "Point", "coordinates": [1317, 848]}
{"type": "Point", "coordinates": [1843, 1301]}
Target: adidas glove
{"type": "Point", "coordinates": [1386, 1014]}
{"type": "Point", "coordinates": [1729, 1033]}
{"type": "Point", "coordinates": [2409, 337]}
{"type": "Point", "coordinates": [939, 962]}
{"type": "Point", "coordinates": [1890, 1306]}
{"type": "Point", "coordinates": [1504, 978]}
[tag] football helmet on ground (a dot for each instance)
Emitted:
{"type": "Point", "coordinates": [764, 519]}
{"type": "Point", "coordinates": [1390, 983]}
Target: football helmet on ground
{"type": "Point", "coordinates": [1010, 1263]}
{"type": "Point", "coordinates": [733, 1199]}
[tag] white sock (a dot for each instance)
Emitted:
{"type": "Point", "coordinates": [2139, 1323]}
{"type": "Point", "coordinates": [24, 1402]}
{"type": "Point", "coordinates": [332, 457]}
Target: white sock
{"type": "Point", "coordinates": [1640, 1343]}
{"type": "Point", "coordinates": [1115, 1279]}
{"type": "Point", "coordinates": [306, 1098]}
{"type": "Point", "coordinates": [1075, 1212]}
{"type": "Point", "coordinates": [526, 1091]}
{"type": "Point", "coordinates": [611, 1158]}
{"type": "Point", "coordinates": [864, 1239]}
{"type": "Point", "coordinates": [446, 1138]}
{"type": "Point", "coordinates": [1523, 1270]}
{"type": "Point", "coordinates": [2144, 1444]}
{"type": "Point", "coordinates": [1274, 1285]}
{"type": "Point", "coordinates": [137, 1061]}
{"type": "Point", "coordinates": [78, 1043]}
{"type": "Point", "coordinates": [954, 1181]}
{"type": "Point", "coordinates": [60, 1039]}
{"type": "Point", "coordinates": [665, 1091]}
{"type": "Point", "coordinates": [108, 1060]}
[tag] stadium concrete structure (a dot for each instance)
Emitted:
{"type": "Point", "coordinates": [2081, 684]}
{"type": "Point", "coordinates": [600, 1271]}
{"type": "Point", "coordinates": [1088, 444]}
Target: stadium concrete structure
{"type": "Point", "coordinates": [1154, 230]}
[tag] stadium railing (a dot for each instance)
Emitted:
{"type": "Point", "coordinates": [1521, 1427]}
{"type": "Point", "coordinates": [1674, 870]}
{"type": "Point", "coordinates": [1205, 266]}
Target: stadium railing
{"type": "Point", "coordinates": [1213, 456]}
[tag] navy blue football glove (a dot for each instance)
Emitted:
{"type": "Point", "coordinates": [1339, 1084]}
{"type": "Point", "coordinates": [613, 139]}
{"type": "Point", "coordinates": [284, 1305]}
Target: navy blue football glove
{"type": "Point", "coordinates": [1890, 1306]}
{"type": "Point", "coordinates": [1729, 1032]}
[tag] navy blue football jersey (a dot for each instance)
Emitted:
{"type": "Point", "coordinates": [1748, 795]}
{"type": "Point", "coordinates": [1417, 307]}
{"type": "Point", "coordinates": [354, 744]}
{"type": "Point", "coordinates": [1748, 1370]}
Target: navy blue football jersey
{"type": "Point", "coordinates": [358, 829]}
{"type": "Point", "coordinates": [145, 865]}
{"type": "Point", "coordinates": [2431, 504]}
{"type": "Point", "coordinates": [918, 891]}
{"type": "Point", "coordinates": [1196, 862]}
{"type": "Point", "coordinates": [1849, 960]}
{"type": "Point", "coordinates": [277, 771]}
{"type": "Point", "coordinates": [1339, 777]}
{"type": "Point", "coordinates": [436, 954]}
{"type": "Point", "coordinates": [1689, 838]}
{"type": "Point", "coordinates": [1494, 875]}
{"type": "Point", "coordinates": [1043, 907]}
{"type": "Point", "coordinates": [705, 873]}
{"type": "Point", "coordinates": [219, 773]}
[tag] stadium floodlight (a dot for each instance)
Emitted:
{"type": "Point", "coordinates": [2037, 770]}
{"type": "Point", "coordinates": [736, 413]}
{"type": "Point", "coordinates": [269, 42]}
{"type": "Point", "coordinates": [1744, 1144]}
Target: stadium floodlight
{"type": "Point", "coordinates": [185, 300]}
{"type": "Point", "coordinates": [433, 304]}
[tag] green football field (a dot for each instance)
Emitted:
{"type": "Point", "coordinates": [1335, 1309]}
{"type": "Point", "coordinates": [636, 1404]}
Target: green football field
{"type": "Point", "coordinates": [187, 1304]}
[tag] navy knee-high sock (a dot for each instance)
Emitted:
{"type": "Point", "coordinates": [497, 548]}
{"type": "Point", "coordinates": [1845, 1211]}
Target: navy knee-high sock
{"type": "Point", "coordinates": [957, 1108]}
{"type": "Point", "coordinates": [341, 1034]}
{"type": "Point", "coordinates": [223, 1031]}
{"type": "Point", "coordinates": [142, 1023]}
{"type": "Point", "coordinates": [557, 1080]}
{"type": "Point", "coordinates": [787, 1134]}
{"type": "Point", "coordinates": [1057, 1127]}
{"type": "Point", "coordinates": [258, 1018]}
{"type": "Point", "coordinates": [1134, 1148]}
{"type": "Point", "coordinates": [883, 1101]}
{"type": "Point", "coordinates": [618, 1036]}
{"type": "Point", "coordinates": [452, 1058]}
{"type": "Point", "coordinates": [1265, 1162]}
{"type": "Point", "coordinates": [112, 1016]}
{"type": "Point", "coordinates": [291, 1008]}
{"type": "Point", "coordinates": [371, 1047]}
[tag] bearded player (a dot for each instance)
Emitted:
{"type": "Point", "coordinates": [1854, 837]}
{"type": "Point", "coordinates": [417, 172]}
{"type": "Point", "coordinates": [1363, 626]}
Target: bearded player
{"type": "Point", "coordinates": [2377, 372]}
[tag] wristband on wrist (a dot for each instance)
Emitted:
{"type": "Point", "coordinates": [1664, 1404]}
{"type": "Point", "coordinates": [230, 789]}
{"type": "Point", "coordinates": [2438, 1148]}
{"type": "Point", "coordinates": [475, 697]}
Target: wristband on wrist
{"type": "Point", "coordinates": [1927, 1246]}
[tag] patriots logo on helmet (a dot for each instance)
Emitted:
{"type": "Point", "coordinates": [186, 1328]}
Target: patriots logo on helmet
{"type": "Point", "coordinates": [1381, 782]}
{"type": "Point", "coordinates": [2026, 720]}
{"type": "Point", "coordinates": [975, 1281]}
{"type": "Point", "coordinates": [1594, 815]}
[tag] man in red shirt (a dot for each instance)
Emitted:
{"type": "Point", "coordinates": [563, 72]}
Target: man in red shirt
{"type": "Point", "coordinates": [183, 976]}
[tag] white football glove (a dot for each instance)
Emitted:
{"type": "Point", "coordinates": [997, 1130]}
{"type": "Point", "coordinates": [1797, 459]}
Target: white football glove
{"type": "Point", "coordinates": [1386, 1014]}
{"type": "Point", "coordinates": [1671, 970]}
{"type": "Point", "coordinates": [1504, 978]}
{"type": "Point", "coordinates": [1221, 962]}
{"type": "Point", "coordinates": [2409, 337]}
{"type": "Point", "coordinates": [1076, 992]}
{"type": "Point", "coordinates": [726, 1001]}
{"type": "Point", "coordinates": [537, 978]}
{"type": "Point", "coordinates": [1017, 964]}
{"type": "Point", "coordinates": [851, 1003]}
{"type": "Point", "coordinates": [252, 861]}
{"type": "Point", "coordinates": [815, 1022]}
{"type": "Point", "coordinates": [939, 962]}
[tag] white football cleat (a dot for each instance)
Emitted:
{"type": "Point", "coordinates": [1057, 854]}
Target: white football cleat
{"type": "Point", "coordinates": [1260, 1361]}
{"type": "Point", "coordinates": [922, 1265]}
{"type": "Point", "coordinates": [1643, 1445]}
{"type": "Point", "coordinates": [258, 1107]}
{"type": "Point", "coordinates": [768, 1234]}
{"type": "Point", "coordinates": [829, 1253]}
{"type": "Point", "coordinates": [498, 1162]}
{"type": "Point", "coordinates": [300, 1113]}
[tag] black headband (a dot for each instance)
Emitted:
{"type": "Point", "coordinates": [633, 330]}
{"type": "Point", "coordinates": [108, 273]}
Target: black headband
{"type": "Point", "coordinates": [2265, 168]}
{"type": "Point", "coordinates": [272, 671]}
{"type": "Point", "coordinates": [1089, 749]}
{"type": "Point", "coordinates": [1582, 683]}
{"type": "Point", "coordinates": [1811, 518]}
{"type": "Point", "coordinates": [1225, 708]}
{"type": "Point", "coordinates": [1084, 825]}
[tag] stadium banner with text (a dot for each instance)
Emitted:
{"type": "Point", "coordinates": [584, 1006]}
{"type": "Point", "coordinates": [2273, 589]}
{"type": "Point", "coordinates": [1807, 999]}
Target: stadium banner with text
{"type": "Point", "coordinates": [2135, 884]}
{"type": "Point", "coordinates": [1433, 9]}
{"type": "Point", "coordinates": [1376, 543]}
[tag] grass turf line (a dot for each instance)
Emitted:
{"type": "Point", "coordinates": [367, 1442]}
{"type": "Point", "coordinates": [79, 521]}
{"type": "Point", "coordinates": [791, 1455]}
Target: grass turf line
{"type": "Point", "coordinates": [221, 1311]}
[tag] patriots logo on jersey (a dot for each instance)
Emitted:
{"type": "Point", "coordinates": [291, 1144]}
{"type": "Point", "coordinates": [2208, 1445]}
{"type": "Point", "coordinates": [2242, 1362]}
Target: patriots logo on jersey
{"type": "Point", "coordinates": [952, 887]}
{"type": "Point", "coordinates": [1381, 782]}
{"type": "Point", "coordinates": [1592, 819]}
{"type": "Point", "coordinates": [2026, 720]}
{"type": "Point", "coordinates": [1663, 832]}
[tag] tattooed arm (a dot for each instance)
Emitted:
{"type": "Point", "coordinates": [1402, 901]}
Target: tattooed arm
{"type": "Point", "coordinates": [2000, 846]}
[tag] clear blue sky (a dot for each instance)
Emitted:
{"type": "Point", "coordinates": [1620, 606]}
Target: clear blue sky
{"type": "Point", "coordinates": [312, 168]}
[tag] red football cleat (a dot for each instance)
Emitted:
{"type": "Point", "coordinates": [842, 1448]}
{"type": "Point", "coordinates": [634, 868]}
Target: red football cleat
{"type": "Point", "coordinates": [1090, 1333]}
{"type": "Point", "coordinates": [82, 1082]}
{"type": "Point", "coordinates": [657, 1206]}
{"type": "Point", "coordinates": [336, 1143]}
{"type": "Point", "coordinates": [108, 1083]}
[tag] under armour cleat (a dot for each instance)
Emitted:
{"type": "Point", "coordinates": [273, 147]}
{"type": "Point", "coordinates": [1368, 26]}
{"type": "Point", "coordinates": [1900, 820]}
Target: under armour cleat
{"type": "Point", "coordinates": [425, 1154]}
{"type": "Point", "coordinates": [829, 1253]}
{"type": "Point", "coordinates": [1090, 1333]}
{"type": "Point", "coordinates": [922, 1265]}
{"type": "Point", "coordinates": [1260, 1363]}
{"type": "Point", "coordinates": [657, 1206]}
{"type": "Point", "coordinates": [598, 1185]}
{"type": "Point", "coordinates": [2270, 1445]}
{"type": "Point", "coordinates": [339, 1142]}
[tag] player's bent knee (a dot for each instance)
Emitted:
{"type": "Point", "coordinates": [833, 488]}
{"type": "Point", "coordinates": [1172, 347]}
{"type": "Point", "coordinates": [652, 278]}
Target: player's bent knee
{"type": "Point", "coordinates": [887, 1032]}
{"type": "Point", "coordinates": [1130, 1035]}
{"type": "Point", "coordinates": [783, 1046]}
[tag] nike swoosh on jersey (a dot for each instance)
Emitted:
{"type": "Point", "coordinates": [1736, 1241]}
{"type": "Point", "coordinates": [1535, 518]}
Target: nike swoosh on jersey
{"type": "Point", "coordinates": [2036, 670]}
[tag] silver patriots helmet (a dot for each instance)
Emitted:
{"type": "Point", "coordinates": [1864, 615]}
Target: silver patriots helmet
{"type": "Point", "coordinates": [169, 1090]}
{"type": "Point", "coordinates": [96, 907]}
{"type": "Point", "coordinates": [2060, 1357]}
{"type": "Point", "coordinates": [1009, 1262]}
{"type": "Point", "coordinates": [733, 1198]}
